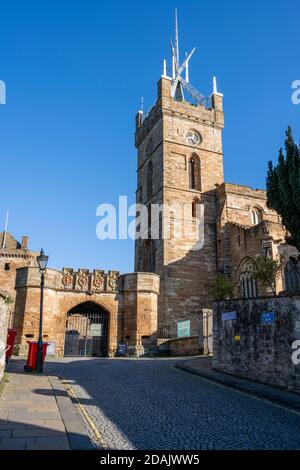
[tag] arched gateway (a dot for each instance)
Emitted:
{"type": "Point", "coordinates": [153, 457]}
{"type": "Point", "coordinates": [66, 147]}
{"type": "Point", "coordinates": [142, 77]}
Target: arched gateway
{"type": "Point", "coordinates": [87, 313]}
{"type": "Point", "coordinates": [86, 331]}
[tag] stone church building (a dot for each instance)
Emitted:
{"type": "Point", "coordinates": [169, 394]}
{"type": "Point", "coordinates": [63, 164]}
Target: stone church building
{"type": "Point", "coordinates": [180, 161]}
{"type": "Point", "coordinates": [165, 305]}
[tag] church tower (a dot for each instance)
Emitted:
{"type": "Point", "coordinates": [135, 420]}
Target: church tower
{"type": "Point", "coordinates": [180, 164]}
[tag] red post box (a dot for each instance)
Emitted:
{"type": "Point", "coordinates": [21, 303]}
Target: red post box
{"type": "Point", "coordinates": [11, 335]}
{"type": "Point", "coordinates": [32, 353]}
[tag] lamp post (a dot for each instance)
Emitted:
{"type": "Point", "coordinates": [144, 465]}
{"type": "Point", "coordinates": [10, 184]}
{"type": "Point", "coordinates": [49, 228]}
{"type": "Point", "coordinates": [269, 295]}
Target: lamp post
{"type": "Point", "coordinates": [42, 260]}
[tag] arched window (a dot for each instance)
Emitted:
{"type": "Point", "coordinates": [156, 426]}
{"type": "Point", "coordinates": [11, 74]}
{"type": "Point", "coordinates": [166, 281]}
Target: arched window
{"type": "Point", "coordinates": [256, 216]}
{"type": "Point", "coordinates": [194, 173]}
{"type": "Point", "coordinates": [247, 282]}
{"type": "Point", "coordinates": [192, 179]}
{"type": "Point", "coordinates": [149, 180]}
{"type": "Point", "coordinates": [292, 275]}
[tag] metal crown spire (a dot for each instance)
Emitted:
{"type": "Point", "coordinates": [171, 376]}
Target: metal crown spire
{"type": "Point", "coordinates": [178, 82]}
{"type": "Point", "coordinates": [176, 37]}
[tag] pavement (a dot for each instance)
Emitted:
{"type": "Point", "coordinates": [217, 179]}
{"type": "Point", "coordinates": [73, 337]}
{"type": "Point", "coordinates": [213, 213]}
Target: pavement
{"type": "Point", "coordinates": [36, 413]}
{"type": "Point", "coordinates": [203, 367]}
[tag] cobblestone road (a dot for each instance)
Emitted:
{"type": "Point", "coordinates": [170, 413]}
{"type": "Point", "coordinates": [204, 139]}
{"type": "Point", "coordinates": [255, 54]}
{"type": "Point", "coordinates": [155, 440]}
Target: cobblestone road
{"type": "Point", "coordinates": [147, 404]}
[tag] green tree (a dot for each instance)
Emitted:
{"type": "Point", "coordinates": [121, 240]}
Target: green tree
{"type": "Point", "coordinates": [267, 271]}
{"type": "Point", "coordinates": [283, 188]}
{"type": "Point", "coordinates": [222, 289]}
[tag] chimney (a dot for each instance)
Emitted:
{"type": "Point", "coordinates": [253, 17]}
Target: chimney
{"type": "Point", "coordinates": [24, 243]}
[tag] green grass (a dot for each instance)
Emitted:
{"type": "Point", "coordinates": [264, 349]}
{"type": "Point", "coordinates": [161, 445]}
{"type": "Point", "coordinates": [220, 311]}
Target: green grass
{"type": "Point", "coordinates": [4, 380]}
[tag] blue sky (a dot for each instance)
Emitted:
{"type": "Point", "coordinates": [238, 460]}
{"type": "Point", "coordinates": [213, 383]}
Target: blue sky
{"type": "Point", "coordinates": [75, 72]}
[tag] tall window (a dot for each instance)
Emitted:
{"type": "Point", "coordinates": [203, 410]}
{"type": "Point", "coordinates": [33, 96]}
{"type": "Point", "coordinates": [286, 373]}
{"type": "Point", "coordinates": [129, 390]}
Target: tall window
{"type": "Point", "coordinates": [149, 180]}
{"type": "Point", "coordinates": [194, 173]}
{"type": "Point", "coordinates": [292, 275]}
{"type": "Point", "coordinates": [248, 284]}
{"type": "Point", "coordinates": [256, 216]}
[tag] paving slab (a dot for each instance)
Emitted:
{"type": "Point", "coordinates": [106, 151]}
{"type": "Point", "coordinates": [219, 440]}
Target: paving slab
{"type": "Point", "coordinates": [12, 426]}
{"type": "Point", "coordinates": [56, 425]}
{"type": "Point", "coordinates": [4, 414]}
{"type": "Point", "coordinates": [35, 432]}
{"type": "Point", "coordinates": [46, 443]}
{"type": "Point", "coordinates": [28, 406]}
{"type": "Point", "coordinates": [16, 444]}
{"type": "Point", "coordinates": [15, 415]}
{"type": "Point", "coordinates": [36, 413]}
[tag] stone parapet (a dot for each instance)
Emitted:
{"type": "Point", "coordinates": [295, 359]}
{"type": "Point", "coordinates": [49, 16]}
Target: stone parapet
{"type": "Point", "coordinates": [82, 280]}
{"type": "Point", "coordinates": [141, 282]}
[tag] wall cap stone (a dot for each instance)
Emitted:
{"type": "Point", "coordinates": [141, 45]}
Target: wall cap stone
{"type": "Point", "coordinates": [135, 282]}
{"type": "Point", "coordinates": [253, 299]}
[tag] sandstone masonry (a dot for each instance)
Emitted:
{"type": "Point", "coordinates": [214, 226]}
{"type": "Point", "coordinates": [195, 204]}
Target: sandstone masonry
{"type": "Point", "coordinates": [13, 255]}
{"type": "Point", "coordinates": [129, 303]}
{"type": "Point", "coordinates": [238, 226]}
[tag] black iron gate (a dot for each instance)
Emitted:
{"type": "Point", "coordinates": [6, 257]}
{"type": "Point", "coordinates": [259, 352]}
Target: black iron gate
{"type": "Point", "coordinates": [86, 334]}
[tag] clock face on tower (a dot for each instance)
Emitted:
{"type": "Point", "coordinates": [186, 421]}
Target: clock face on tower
{"type": "Point", "coordinates": [193, 138]}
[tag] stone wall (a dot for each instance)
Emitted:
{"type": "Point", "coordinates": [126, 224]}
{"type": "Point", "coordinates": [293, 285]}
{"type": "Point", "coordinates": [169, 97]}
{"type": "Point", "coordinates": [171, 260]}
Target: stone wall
{"type": "Point", "coordinates": [239, 237]}
{"type": "Point", "coordinates": [254, 338]}
{"type": "Point", "coordinates": [130, 302]}
{"type": "Point", "coordinates": [185, 346]}
{"type": "Point", "coordinates": [13, 256]}
{"type": "Point", "coordinates": [4, 315]}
